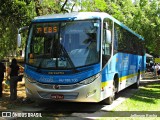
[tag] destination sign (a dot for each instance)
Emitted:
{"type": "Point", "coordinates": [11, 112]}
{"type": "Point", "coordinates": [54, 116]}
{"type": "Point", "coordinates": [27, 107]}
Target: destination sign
{"type": "Point", "coordinates": [46, 29]}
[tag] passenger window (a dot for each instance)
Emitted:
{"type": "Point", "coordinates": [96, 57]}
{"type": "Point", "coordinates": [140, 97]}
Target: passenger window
{"type": "Point", "coordinates": [115, 40]}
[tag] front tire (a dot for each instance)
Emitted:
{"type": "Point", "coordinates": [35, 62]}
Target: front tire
{"type": "Point", "coordinates": [111, 98]}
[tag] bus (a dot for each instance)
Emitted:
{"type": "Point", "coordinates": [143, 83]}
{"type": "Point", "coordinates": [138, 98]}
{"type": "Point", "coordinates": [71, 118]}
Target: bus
{"type": "Point", "coordinates": [81, 57]}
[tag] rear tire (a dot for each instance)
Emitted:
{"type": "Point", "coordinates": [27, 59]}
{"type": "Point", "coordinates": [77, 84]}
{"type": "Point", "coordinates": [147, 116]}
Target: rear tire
{"type": "Point", "coordinates": [136, 85]}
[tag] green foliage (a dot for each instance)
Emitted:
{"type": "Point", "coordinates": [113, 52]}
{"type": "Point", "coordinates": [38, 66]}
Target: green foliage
{"type": "Point", "coordinates": [13, 14]}
{"type": "Point", "coordinates": [93, 5]}
{"type": "Point", "coordinates": [141, 16]}
{"type": "Point", "coordinates": [148, 16]}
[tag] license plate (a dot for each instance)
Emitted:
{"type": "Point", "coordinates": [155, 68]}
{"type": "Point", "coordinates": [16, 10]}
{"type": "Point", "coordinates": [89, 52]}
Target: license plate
{"type": "Point", "coordinates": [57, 96]}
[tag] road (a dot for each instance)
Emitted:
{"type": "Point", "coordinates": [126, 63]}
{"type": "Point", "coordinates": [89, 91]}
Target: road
{"type": "Point", "coordinates": [63, 109]}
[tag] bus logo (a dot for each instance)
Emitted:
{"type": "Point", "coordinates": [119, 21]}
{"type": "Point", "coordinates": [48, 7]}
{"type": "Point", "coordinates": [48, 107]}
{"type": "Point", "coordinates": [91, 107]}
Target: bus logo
{"type": "Point", "coordinates": [56, 86]}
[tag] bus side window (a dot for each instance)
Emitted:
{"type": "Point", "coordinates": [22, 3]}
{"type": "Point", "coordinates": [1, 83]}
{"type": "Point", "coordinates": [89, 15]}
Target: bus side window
{"type": "Point", "coordinates": [115, 41]}
{"type": "Point", "coordinates": [106, 45]}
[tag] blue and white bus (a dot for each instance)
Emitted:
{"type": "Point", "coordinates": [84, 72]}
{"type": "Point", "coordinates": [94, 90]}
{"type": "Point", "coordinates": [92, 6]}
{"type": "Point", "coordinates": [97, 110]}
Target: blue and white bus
{"type": "Point", "coordinates": [81, 57]}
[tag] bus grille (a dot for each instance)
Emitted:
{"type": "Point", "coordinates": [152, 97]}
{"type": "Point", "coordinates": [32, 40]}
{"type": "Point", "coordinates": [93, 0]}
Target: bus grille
{"type": "Point", "coordinates": [61, 87]}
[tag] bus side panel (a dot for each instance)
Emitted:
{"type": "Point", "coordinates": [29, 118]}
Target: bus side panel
{"type": "Point", "coordinates": [127, 66]}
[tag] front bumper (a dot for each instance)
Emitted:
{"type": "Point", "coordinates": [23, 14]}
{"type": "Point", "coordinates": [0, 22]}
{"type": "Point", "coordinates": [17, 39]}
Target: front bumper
{"type": "Point", "coordinates": [71, 93]}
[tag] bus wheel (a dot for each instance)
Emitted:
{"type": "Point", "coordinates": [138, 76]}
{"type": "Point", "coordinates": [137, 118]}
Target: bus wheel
{"type": "Point", "coordinates": [136, 85]}
{"type": "Point", "coordinates": [111, 98]}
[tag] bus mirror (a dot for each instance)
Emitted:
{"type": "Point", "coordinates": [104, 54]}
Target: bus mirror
{"type": "Point", "coordinates": [19, 35]}
{"type": "Point", "coordinates": [19, 40]}
{"type": "Point", "coordinates": [108, 33]}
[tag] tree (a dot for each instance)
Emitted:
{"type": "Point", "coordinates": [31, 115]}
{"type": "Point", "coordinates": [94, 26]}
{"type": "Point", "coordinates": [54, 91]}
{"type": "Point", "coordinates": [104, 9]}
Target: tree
{"type": "Point", "coordinates": [141, 16]}
{"type": "Point", "coordinates": [147, 19]}
{"type": "Point", "coordinates": [13, 14]}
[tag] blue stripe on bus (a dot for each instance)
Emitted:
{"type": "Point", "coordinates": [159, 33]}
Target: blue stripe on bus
{"type": "Point", "coordinates": [63, 79]}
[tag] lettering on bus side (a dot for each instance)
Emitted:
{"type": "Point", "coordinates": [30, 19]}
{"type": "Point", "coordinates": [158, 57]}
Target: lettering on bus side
{"type": "Point", "coordinates": [56, 73]}
{"type": "Point", "coordinates": [65, 80]}
{"type": "Point", "coordinates": [74, 80]}
{"type": "Point", "coordinates": [46, 79]}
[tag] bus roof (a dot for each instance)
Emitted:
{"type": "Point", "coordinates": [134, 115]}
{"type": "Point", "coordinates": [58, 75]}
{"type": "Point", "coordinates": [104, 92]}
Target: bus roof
{"type": "Point", "coordinates": [81, 16]}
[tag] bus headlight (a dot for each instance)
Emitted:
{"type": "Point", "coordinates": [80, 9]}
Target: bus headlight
{"type": "Point", "coordinates": [89, 80]}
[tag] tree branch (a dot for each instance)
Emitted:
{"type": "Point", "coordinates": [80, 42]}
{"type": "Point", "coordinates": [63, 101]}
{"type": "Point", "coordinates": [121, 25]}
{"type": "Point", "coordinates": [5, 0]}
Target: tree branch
{"type": "Point", "coordinates": [73, 7]}
{"type": "Point", "coordinates": [62, 8]}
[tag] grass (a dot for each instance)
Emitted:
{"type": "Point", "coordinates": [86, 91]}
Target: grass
{"type": "Point", "coordinates": [146, 99]}
{"type": "Point", "coordinates": [145, 102]}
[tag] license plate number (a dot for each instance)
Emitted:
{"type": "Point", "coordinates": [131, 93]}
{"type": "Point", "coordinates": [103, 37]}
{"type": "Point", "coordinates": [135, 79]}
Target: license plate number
{"type": "Point", "coordinates": [57, 96]}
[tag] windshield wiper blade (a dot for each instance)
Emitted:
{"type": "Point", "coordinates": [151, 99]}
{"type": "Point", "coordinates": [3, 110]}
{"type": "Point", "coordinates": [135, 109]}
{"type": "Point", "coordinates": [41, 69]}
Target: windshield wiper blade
{"type": "Point", "coordinates": [69, 59]}
{"type": "Point", "coordinates": [39, 66]}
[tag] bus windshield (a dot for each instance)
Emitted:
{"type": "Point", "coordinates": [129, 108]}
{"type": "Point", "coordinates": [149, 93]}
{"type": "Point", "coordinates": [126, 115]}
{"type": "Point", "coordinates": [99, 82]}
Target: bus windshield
{"type": "Point", "coordinates": [63, 45]}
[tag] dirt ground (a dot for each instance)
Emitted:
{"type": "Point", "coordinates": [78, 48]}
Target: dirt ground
{"type": "Point", "coordinates": [5, 102]}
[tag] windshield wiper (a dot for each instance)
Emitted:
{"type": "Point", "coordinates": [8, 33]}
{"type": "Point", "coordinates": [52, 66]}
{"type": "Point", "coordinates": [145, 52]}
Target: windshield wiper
{"type": "Point", "coordinates": [39, 66]}
{"type": "Point", "coordinates": [69, 59]}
